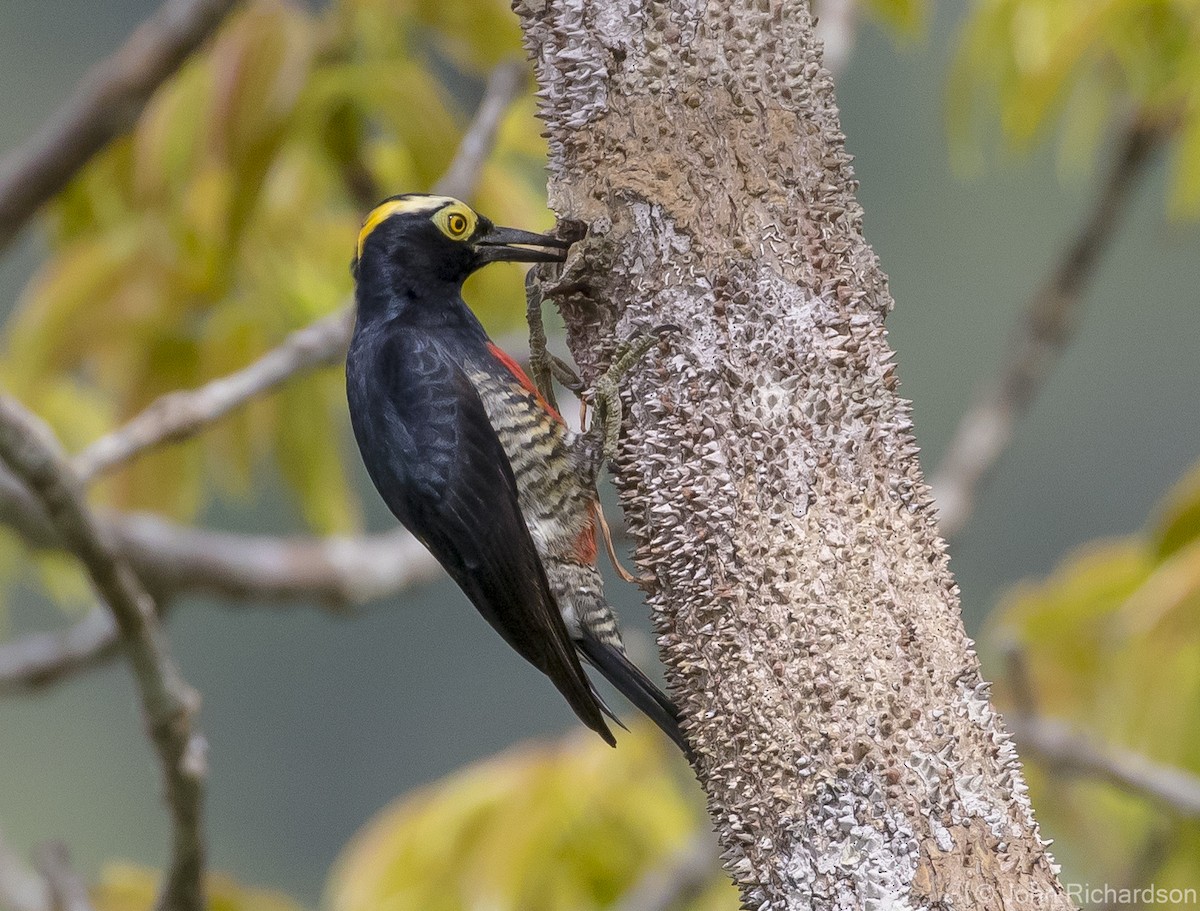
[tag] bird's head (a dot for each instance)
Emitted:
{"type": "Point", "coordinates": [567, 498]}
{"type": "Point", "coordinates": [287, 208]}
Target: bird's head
{"type": "Point", "coordinates": [441, 239]}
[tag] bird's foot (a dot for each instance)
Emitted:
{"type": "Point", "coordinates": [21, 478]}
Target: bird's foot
{"type": "Point", "coordinates": [565, 374]}
{"type": "Point", "coordinates": [541, 361]}
{"type": "Point", "coordinates": [606, 392]}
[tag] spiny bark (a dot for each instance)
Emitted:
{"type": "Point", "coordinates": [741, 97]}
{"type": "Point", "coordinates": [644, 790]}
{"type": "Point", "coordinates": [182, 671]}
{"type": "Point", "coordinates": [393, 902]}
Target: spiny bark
{"type": "Point", "coordinates": [807, 616]}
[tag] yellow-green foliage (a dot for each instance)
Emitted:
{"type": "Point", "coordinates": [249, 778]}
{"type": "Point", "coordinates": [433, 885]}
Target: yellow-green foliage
{"type": "Point", "coordinates": [227, 218]}
{"type": "Point", "coordinates": [568, 825]}
{"type": "Point", "coordinates": [1111, 644]}
{"type": "Point", "coordinates": [125, 887]}
{"type": "Point", "coordinates": [1088, 63]}
{"type": "Point", "coordinates": [905, 16]}
{"type": "Point", "coordinates": [573, 825]}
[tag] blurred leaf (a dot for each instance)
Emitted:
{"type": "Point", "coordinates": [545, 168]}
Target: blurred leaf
{"type": "Point", "coordinates": [169, 140]}
{"type": "Point", "coordinates": [1086, 64]}
{"type": "Point", "coordinates": [1066, 624]}
{"type": "Point", "coordinates": [570, 826]}
{"type": "Point", "coordinates": [1085, 121]}
{"type": "Point", "coordinates": [1178, 522]}
{"type": "Point", "coordinates": [126, 887]}
{"type": "Point", "coordinates": [63, 579]}
{"type": "Point", "coordinates": [1110, 643]}
{"type": "Point", "coordinates": [905, 16]}
{"type": "Point", "coordinates": [1170, 593]}
{"type": "Point", "coordinates": [1185, 177]}
{"type": "Point", "coordinates": [474, 35]}
{"type": "Point", "coordinates": [56, 318]}
{"type": "Point", "coordinates": [309, 456]}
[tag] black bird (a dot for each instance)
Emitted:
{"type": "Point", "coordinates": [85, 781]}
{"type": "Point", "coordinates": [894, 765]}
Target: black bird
{"type": "Point", "coordinates": [470, 457]}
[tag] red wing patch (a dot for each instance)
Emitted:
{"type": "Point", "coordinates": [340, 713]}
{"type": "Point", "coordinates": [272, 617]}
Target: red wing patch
{"type": "Point", "coordinates": [521, 377]}
{"type": "Point", "coordinates": [585, 544]}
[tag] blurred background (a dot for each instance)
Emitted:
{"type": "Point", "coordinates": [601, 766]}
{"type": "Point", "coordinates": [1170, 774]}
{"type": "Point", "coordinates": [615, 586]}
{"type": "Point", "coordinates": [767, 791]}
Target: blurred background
{"type": "Point", "coordinates": [228, 219]}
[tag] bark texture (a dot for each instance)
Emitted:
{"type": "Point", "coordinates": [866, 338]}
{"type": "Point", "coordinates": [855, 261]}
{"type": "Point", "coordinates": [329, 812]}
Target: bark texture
{"type": "Point", "coordinates": [807, 616]}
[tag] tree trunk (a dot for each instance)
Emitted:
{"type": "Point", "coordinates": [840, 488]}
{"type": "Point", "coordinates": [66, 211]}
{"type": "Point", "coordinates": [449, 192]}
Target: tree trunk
{"type": "Point", "coordinates": [808, 620]}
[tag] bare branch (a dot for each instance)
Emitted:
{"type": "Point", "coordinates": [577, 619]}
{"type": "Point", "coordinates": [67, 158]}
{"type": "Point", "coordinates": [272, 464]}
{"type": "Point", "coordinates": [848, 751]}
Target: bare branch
{"type": "Point", "coordinates": [334, 572]}
{"type": "Point", "coordinates": [174, 560]}
{"type": "Point", "coordinates": [680, 881]}
{"type": "Point", "coordinates": [67, 891]}
{"type": "Point", "coordinates": [105, 103]}
{"type": "Point", "coordinates": [39, 659]}
{"type": "Point", "coordinates": [1045, 331]}
{"type": "Point", "coordinates": [504, 86]}
{"type": "Point", "coordinates": [182, 414]}
{"type": "Point", "coordinates": [1068, 750]}
{"type": "Point", "coordinates": [34, 455]}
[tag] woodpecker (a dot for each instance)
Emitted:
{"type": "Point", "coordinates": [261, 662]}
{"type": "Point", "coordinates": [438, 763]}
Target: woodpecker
{"type": "Point", "coordinates": [471, 458]}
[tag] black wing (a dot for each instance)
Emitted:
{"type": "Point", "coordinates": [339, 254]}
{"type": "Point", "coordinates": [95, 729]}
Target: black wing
{"type": "Point", "coordinates": [441, 469]}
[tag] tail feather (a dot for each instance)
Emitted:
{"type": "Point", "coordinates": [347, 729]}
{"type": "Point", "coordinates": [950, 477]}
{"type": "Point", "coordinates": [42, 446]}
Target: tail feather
{"type": "Point", "coordinates": [610, 715]}
{"type": "Point", "coordinates": [635, 686]}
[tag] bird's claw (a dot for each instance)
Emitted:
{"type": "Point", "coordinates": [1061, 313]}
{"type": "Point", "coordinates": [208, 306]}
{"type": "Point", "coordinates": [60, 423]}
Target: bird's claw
{"type": "Point", "coordinates": [606, 391]}
{"type": "Point", "coordinates": [565, 374]}
{"type": "Point", "coordinates": [541, 361]}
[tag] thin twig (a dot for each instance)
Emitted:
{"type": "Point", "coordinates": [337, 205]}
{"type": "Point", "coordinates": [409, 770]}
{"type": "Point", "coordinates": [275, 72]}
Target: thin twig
{"type": "Point", "coordinates": [504, 86]}
{"type": "Point", "coordinates": [1046, 329]}
{"type": "Point", "coordinates": [105, 103]}
{"type": "Point", "coordinates": [1063, 748]}
{"type": "Point", "coordinates": [34, 455]}
{"type": "Point", "coordinates": [67, 891]}
{"type": "Point", "coordinates": [678, 882]}
{"type": "Point", "coordinates": [178, 415]}
{"type": "Point", "coordinates": [33, 661]}
{"type": "Point", "coordinates": [334, 572]}
{"type": "Point", "coordinates": [174, 560]}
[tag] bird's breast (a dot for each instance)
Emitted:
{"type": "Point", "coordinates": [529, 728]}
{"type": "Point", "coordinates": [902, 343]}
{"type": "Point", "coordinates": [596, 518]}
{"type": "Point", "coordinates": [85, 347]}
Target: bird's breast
{"type": "Point", "coordinates": [553, 492]}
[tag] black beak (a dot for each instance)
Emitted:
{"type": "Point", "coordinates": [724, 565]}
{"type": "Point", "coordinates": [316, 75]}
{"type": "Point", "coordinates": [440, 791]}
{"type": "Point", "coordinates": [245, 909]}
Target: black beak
{"type": "Point", "coordinates": [496, 246]}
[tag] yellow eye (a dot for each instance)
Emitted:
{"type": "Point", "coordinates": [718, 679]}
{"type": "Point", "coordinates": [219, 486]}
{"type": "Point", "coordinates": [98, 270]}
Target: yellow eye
{"type": "Point", "coordinates": [455, 220]}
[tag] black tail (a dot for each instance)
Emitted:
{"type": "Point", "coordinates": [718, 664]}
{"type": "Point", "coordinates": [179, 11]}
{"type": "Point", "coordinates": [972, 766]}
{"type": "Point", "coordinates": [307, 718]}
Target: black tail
{"type": "Point", "coordinates": [634, 686]}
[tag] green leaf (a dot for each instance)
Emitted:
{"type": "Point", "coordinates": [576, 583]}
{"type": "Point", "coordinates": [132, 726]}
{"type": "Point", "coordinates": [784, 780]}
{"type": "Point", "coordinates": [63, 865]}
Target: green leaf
{"type": "Point", "coordinates": [1110, 644]}
{"type": "Point", "coordinates": [1178, 522]}
{"type": "Point", "coordinates": [63, 580]}
{"type": "Point", "coordinates": [572, 826]}
{"type": "Point", "coordinates": [477, 35]}
{"type": "Point", "coordinates": [309, 456]}
{"type": "Point", "coordinates": [1087, 64]}
{"type": "Point", "coordinates": [1185, 170]}
{"type": "Point", "coordinates": [1086, 116]}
